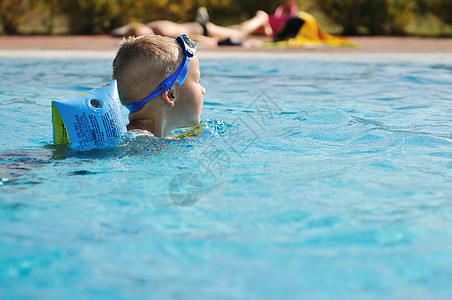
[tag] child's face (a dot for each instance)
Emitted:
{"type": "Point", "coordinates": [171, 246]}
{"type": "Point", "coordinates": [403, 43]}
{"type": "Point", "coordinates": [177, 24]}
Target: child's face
{"type": "Point", "coordinates": [190, 94]}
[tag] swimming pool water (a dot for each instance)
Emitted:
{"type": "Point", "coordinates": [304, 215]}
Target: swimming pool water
{"type": "Point", "coordinates": [314, 179]}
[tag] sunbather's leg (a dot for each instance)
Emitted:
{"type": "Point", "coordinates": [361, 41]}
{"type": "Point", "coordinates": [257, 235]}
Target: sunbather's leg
{"type": "Point", "coordinates": [193, 29]}
{"type": "Point", "coordinates": [135, 29]}
{"type": "Point", "coordinates": [240, 31]}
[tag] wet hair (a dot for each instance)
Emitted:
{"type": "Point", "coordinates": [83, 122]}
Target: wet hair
{"type": "Point", "coordinates": [142, 63]}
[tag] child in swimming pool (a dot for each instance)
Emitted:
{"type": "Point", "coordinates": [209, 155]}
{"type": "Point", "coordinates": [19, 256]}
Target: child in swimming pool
{"type": "Point", "coordinates": [159, 82]}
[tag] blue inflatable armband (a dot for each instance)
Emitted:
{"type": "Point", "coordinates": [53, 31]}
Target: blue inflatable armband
{"type": "Point", "coordinates": [90, 120]}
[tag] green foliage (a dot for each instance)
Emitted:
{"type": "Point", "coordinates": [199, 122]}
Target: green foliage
{"type": "Point", "coordinates": [12, 13]}
{"type": "Point", "coordinates": [250, 7]}
{"type": "Point", "coordinates": [149, 10]}
{"type": "Point", "coordinates": [100, 16]}
{"type": "Point", "coordinates": [441, 8]}
{"type": "Point", "coordinates": [370, 16]}
{"type": "Point", "coordinates": [93, 16]}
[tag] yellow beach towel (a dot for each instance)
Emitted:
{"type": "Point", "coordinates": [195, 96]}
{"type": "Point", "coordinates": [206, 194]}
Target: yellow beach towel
{"type": "Point", "coordinates": [312, 34]}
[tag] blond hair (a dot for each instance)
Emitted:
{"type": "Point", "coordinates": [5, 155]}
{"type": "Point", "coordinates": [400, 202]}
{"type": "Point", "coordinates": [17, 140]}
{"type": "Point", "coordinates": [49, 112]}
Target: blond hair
{"type": "Point", "coordinates": [142, 63]}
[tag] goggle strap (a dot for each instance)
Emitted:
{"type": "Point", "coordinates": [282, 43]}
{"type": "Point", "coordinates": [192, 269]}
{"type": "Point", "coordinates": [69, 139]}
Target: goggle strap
{"type": "Point", "coordinates": [180, 73]}
{"type": "Point", "coordinates": [184, 72]}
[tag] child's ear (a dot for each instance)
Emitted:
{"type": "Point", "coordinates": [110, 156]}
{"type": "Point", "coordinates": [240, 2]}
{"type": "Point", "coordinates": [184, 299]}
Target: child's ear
{"type": "Point", "coordinates": [169, 97]}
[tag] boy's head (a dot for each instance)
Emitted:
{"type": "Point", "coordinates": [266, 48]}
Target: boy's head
{"type": "Point", "coordinates": [144, 68]}
{"type": "Point", "coordinates": [142, 63]}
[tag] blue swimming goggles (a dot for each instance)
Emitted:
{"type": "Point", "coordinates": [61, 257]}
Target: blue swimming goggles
{"type": "Point", "coordinates": [189, 48]}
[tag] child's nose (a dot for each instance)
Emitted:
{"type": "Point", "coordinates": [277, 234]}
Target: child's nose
{"type": "Point", "coordinates": [203, 90]}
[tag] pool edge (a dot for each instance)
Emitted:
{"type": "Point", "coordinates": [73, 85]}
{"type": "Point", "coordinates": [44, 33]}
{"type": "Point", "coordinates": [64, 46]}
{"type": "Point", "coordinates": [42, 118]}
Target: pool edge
{"type": "Point", "coordinates": [443, 57]}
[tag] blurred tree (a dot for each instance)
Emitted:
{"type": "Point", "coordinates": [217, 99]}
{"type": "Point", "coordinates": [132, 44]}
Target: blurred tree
{"type": "Point", "coordinates": [94, 16]}
{"type": "Point", "coordinates": [100, 16]}
{"type": "Point", "coordinates": [49, 8]}
{"type": "Point", "coordinates": [369, 16]}
{"type": "Point", "coordinates": [441, 8]}
{"type": "Point", "coordinates": [12, 13]}
{"type": "Point", "coordinates": [250, 7]}
{"type": "Point", "coordinates": [149, 10]}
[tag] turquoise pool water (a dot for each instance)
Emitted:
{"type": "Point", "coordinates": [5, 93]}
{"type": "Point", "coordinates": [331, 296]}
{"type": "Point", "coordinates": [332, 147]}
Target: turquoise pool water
{"type": "Point", "coordinates": [314, 179]}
